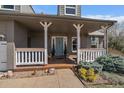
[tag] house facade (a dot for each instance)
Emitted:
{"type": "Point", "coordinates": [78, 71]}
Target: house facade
{"type": "Point", "coordinates": [34, 39]}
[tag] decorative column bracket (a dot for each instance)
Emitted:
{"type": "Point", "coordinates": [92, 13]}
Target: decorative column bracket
{"type": "Point", "coordinates": [45, 26]}
{"type": "Point", "coordinates": [78, 28]}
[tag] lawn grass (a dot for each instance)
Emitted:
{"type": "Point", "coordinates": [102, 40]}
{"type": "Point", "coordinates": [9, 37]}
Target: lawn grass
{"type": "Point", "coordinates": [115, 52]}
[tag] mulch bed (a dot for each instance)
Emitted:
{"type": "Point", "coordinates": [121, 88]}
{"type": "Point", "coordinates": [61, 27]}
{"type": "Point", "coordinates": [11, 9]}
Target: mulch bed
{"type": "Point", "coordinates": [27, 74]}
{"type": "Point", "coordinates": [99, 81]}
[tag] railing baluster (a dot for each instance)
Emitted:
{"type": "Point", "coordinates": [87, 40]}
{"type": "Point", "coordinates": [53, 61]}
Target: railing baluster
{"type": "Point", "coordinates": [29, 57]}
{"type": "Point", "coordinates": [90, 55]}
{"type": "Point", "coordinates": [25, 57]}
{"type": "Point", "coordinates": [36, 56]}
{"type": "Point", "coordinates": [42, 59]}
{"type": "Point", "coordinates": [22, 57]}
{"type": "Point", "coordinates": [81, 56]}
{"type": "Point", "coordinates": [32, 57]}
{"type": "Point", "coordinates": [16, 57]}
{"type": "Point", "coordinates": [39, 57]}
{"type": "Point", "coordinates": [18, 53]}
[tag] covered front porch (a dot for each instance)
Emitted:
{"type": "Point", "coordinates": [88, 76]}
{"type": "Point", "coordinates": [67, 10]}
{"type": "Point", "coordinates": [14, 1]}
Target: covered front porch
{"type": "Point", "coordinates": [38, 39]}
{"type": "Point", "coordinates": [55, 35]}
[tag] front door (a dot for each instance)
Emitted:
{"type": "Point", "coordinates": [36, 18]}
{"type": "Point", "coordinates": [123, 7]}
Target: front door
{"type": "Point", "coordinates": [59, 51]}
{"type": "Point", "coordinates": [59, 43]}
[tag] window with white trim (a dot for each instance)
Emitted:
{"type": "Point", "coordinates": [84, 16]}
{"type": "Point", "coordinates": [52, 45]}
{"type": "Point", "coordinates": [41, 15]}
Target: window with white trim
{"type": "Point", "coordinates": [74, 44]}
{"type": "Point", "coordinates": [70, 9]}
{"type": "Point", "coordinates": [7, 7]}
{"type": "Point", "coordinates": [94, 41]}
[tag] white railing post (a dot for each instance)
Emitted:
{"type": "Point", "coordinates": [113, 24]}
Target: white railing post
{"type": "Point", "coordinates": [78, 28]}
{"type": "Point", "coordinates": [46, 57]}
{"type": "Point", "coordinates": [45, 26]}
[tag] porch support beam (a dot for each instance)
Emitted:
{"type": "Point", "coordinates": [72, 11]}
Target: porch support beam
{"type": "Point", "coordinates": [104, 28]}
{"type": "Point", "coordinates": [45, 25]}
{"type": "Point", "coordinates": [78, 29]}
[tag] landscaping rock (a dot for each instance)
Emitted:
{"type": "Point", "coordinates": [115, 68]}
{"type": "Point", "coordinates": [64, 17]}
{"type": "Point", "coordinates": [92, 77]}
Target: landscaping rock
{"type": "Point", "coordinates": [1, 75]}
{"type": "Point", "coordinates": [52, 71]}
{"type": "Point", "coordinates": [10, 73]}
{"type": "Point", "coordinates": [5, 74]}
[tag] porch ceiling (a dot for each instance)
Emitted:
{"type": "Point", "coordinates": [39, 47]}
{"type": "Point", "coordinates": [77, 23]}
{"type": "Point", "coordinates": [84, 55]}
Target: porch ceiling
{"type": "Point", "coordinates": [59, 23]}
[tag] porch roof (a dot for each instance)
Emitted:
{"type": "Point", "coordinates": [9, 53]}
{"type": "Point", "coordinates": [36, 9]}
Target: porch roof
{"type": "Point", "coordinates": [59, 23]}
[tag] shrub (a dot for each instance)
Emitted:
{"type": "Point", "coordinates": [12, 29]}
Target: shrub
{"type": "Point", "coordinates": [90, 72]}
{"type": "Point", "coordinates": [91, 76]}
{"type": "Point", "coordinates": [120, 66]}
{"type": "Point", "coordinates": [113, 78]}
{"type": "Point", "coordinates": [83, 73]}
{"type": "Point", "coordinates": [97, 67]}
{"type": "Point", "coordinates": [88, 75]}
{"type": "Point", "coordinates": [111, 63]}
{"type": "Point", "coordinates": [107, 62]}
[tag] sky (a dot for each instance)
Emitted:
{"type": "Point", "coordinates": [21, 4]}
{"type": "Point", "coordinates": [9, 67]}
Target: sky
{"type": "Point", "coordinates": [92, 11]}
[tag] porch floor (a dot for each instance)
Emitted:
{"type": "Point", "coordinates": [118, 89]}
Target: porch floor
{"type": "Point", "coordinates": [61, 61]}
{"type": "Point", "coordinates": [52, 63]}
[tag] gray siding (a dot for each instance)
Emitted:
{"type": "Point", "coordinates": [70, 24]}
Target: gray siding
{"type": "Point", "coordinates": [61, 10]}
{"type": "Point", "coordinates": [37, 39]}
{"type": "Point", "coordinates": [20, 35]}
{"type": "Point", "coordinates": [78, 10]}
{"type": "Point", "coordinates": [26, 9]}
{"type": "Point", "coordinates": [20, 9]}
{"type": "Point", "coordinates": [17, 7]}
{"type": "Point", "coordinates": [7, 29]}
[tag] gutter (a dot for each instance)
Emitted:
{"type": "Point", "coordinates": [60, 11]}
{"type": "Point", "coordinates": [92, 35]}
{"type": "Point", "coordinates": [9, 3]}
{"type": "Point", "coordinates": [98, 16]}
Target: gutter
{"type": "Point", "coordinates": [58, 17]}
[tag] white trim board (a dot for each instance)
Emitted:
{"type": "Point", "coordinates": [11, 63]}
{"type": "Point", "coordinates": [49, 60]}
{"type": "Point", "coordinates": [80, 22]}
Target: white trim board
{"type": "Point", "coordinates": [54, 38]}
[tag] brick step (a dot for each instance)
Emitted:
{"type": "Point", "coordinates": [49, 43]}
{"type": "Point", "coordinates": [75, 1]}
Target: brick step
{"type": "Point", "coordinates": [56, 66]}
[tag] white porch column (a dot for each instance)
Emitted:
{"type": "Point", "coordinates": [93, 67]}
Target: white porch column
{"type": "Point", "coordinates": [46, 25]}
{"type": "Point", "coordinates": [78, 28]}
{"type": "Point", "coordinates": [104, 28]}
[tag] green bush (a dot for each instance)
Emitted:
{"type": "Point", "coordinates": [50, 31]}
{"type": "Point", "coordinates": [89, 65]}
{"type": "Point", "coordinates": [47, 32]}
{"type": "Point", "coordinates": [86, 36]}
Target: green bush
{"type": "Point", "coordinates": [107, 62]}
{"type": "Point", "coordinates": [88, 74]}
{"type": "Point", "coordinates": [97, 67]}
{"type": "Point", "coordinates": [111, 63]}
{"type": "Point", "coordinates": [113, 78]}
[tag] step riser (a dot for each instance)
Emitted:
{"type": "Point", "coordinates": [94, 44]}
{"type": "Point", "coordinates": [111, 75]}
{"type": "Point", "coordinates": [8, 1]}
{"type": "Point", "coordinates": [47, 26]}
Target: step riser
{"type": "Point", "coordinates": [19, 69]}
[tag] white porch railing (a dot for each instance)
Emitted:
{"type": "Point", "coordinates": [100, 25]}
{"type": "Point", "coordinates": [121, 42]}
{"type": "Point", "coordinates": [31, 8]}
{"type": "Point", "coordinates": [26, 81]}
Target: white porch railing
{"type": "Point", "coordinates": [89, 55]}
{"type": "Point", "coordinates": [30, 56]}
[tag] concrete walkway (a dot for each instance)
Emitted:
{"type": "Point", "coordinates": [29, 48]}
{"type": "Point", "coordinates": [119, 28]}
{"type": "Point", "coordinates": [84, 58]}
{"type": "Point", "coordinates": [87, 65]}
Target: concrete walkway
{"type": "Point", "coordinates": [64, 78]}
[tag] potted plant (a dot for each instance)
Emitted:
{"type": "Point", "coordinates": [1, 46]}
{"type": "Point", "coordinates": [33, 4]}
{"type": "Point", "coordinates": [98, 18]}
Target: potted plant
{"type": "Point", "coordinates": [53, 50]}
{"type": "Point", "coordinates": [65, 50]}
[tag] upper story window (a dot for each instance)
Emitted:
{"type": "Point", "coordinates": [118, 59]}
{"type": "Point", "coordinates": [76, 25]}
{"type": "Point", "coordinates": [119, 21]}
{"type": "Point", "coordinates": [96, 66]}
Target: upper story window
{"type": "Point", "coordinates": [7, 7]}
{"type": "Point", "coordinates": [70, 9]}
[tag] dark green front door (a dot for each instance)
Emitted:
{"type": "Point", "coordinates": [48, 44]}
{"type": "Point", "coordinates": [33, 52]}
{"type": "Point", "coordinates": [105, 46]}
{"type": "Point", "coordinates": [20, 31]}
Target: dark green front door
{"type": "Point", "coordinates": [59, 46]}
